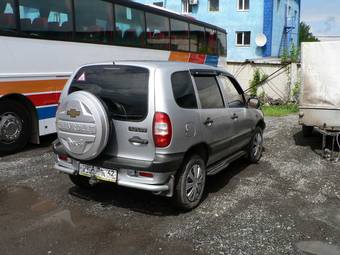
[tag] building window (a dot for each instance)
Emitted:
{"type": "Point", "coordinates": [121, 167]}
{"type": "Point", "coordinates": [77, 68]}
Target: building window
{"type": "Point", "coordinates": [243, 5]}
{"type": "Point", "coordinates": [186, 6]}
{"type": "Point", "coordinates": [243, 38]}
{"type": "Point", "coordinates": [214, 5]}
{"type": "Point", "coordinates": [160, 4]}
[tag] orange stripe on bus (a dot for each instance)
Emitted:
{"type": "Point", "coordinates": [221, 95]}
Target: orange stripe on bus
{"type": "Point", "coordinates": [179, 56]}
{"type": "Point", "coordinates": [33, 86]}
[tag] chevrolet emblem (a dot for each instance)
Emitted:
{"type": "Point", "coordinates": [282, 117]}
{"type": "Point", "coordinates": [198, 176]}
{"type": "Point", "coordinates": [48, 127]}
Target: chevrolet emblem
{"type": "Point", "coordinates": [73, 113]}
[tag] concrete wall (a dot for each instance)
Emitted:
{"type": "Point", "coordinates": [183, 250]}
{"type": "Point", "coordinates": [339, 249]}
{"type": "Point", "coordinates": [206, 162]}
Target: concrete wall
{"type": "Point", "coordinates": [279, 86]}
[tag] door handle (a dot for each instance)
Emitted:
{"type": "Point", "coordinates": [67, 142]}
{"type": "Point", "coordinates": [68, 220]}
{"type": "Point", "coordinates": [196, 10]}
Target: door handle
{"type": "Point", "coordinates": [208, 122]}
{"type": "Point", "coordinates": [138, 141]}
{"type": "Point", "coordinates": [234, 117]}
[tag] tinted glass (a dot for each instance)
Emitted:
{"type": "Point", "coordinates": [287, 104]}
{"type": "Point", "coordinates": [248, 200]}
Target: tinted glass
{"type": "Point", "coordinates": [208, 91]}
{"type": "Point", "coordinates": [7, 15]}
{"type": "Point", "coordinates": [123, 89]}
{"type": "Point", "coordinates": [240, 4]}
{"type": "Point", "coordinates": [246, 4]}
{"type": "Point", "coordinates": [94, 20]}
{"type": "Point", "coordinates": [239, 38]}
{"type": "Point", "coordinates": [160, 4]}
{"type": "Point", "coordinates": [211, 36]}
{"type": "Point", "coordinates": [222, 43]}
{"type": "Point", "coordinates": [179, 35]}
{"type": "Point", "coordinates": [197, 39]}
{"type": "Point", "coordinates": [183, 90]}
{"type": "Point", "coordinates": [246, 38]}
{"type": "Point", "coordinates": [130, 26]}
{"type": "Point", "coordinates": [233, 97]}
{"type": "Point", "coordinates": [157, 31]}
{"type": "Point", "coordinates": [46, 18]}
{"type": "Point", "coordinates": [213, 5]}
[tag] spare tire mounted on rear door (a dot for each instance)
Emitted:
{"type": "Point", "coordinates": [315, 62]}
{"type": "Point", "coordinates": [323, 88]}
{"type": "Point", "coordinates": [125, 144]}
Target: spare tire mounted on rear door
{"type": "Point", "coordinates": [82, 125]}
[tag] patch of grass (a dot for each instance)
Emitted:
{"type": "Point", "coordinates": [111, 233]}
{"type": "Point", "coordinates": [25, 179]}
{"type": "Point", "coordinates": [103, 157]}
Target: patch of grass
{"type": "Point", "coordinates": [280, 110]}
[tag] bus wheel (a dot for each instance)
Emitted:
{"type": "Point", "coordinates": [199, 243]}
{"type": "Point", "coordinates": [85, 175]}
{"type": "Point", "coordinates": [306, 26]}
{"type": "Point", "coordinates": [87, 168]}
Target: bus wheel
{"type": "Point", "coordinates": [15, 126]}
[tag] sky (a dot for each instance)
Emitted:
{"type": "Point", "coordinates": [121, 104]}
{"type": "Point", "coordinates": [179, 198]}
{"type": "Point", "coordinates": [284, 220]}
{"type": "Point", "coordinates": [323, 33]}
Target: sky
{"type": "Point", "coordinates": [322, 15]}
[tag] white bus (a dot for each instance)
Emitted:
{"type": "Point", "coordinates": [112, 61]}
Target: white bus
{"type": "Point", "coordinates": [43, 41]}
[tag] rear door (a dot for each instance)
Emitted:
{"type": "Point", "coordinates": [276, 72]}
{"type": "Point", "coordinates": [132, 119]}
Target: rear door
{"type": "Point", "coordinates": [242, 124]}
{"type": "Point", "coordinates": [127, 94]}
{"type": "Point", "coordinates": [215, 117]}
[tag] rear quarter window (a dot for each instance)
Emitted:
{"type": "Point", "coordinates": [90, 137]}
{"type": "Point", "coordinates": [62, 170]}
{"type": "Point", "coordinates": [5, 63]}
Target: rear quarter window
{"type": "Point", "coordinates": [183, 90]}
{"type": "Point", "coordinates": [123, 89]}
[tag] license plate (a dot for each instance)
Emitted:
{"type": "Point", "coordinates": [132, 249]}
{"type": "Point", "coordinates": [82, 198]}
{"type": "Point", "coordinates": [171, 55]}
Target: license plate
{"type": "Point", "coordinates": [104, 174]}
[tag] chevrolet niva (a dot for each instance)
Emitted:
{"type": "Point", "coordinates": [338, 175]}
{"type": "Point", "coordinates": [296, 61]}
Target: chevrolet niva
{"type": "Point", "coordinates": [156, 126]}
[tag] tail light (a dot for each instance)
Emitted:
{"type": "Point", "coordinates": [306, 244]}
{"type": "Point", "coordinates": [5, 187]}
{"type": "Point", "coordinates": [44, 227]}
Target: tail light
{"type": "Point", "coordinates": [162, 130]}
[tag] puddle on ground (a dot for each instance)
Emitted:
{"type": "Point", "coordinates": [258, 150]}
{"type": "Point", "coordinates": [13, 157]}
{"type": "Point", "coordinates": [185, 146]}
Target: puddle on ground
{"type": "Point", "coordinates": [17, 198]}
{"type": "Point", "coordinates": [318, 248]}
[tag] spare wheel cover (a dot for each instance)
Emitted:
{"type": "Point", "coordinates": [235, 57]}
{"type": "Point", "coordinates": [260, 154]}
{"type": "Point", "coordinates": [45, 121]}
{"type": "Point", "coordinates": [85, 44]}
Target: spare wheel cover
{"type": "Point", "coordinates": [82, 125]}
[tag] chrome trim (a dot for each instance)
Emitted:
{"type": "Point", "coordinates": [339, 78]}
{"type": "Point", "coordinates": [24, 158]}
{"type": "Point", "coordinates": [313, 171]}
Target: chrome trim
{"type": "Point", "coordinates": [148, 187]}
{"type": "Point", "coordinates": [64, 169]}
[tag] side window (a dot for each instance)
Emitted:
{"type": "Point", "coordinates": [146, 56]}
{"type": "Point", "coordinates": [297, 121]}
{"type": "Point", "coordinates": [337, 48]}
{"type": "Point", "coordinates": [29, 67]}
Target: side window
{"type": "Point", "coordinates": [183, 90]}
{"type": "Point", "coordinates": [235, 100]}
{"type": "Point", "coordinates": [211, 37]}
{"type": "Point", "coordinates": [94, 20]}
{"type": "Point", "coordinates": [46, 18]}
{"type": "Point", "coordinates": [157, 31]}
{"type": "Point", "coordinates": [130, 26]}
{"type": "Point", "coordinates": [197, 40]}
{"type": "Point", "coordinates": [179, 35]}
{"type": "Point", "coordinates": [209, 92]}
{"type": "Point", "coordinates": [7, 15]}
{"type": "Point", "coordinates": [222, 43]}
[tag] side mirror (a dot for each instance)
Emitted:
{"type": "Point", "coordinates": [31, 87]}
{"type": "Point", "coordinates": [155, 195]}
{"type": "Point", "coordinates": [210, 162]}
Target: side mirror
{"type": "Point", "coordinates": [254, 103]}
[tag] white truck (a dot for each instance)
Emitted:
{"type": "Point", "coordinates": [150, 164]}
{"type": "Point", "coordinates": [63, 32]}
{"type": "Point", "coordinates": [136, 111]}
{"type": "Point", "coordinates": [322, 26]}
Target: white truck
{"type": "Point", "coordinates": [320, 91]}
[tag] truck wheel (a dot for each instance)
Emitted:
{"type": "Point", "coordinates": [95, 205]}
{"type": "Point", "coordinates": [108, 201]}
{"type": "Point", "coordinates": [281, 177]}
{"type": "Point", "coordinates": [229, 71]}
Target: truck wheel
{"type": "Point", "coordinates": [81, 181]}
{"type": "Point", "coordinates": [190, 184]}
{"type": "Point", "coordinates": [256, 146]}
{"type": "Point", "coordinates": [15, 126]}
{"type": "Point", "coordinates": [307, 131]}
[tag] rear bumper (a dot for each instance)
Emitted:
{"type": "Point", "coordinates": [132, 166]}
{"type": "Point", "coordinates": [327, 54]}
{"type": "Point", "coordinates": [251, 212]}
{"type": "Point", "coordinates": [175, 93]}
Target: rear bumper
{"type": "Point", "coordinates": [160, 164]}
{"type": "Point", "coordinates": [162, 182]}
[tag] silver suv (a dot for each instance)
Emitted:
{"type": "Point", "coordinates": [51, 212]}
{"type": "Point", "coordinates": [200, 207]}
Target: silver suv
{"type": "Point", "coordinates": [156, 126]}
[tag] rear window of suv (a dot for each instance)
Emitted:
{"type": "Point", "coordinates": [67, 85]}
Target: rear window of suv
{"type": "Point", "coordinates": [123, 89]}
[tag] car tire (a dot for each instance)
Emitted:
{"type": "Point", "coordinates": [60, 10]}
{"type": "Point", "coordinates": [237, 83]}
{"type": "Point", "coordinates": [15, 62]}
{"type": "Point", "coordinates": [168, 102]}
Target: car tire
{"type": "Point", "coordinates": [81, 181]}
{"type": "Point", "coordinates": [307, 131]}
{"type": "Point", "coordinates": [255, 147]}
{"type": "Point", "coordinates": [16, 118]}
{"type": "Point", "coordinates": [190, 183]}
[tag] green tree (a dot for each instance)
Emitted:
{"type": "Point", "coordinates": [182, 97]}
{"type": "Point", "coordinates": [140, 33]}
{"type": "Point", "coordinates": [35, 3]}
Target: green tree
{"type": "Point", "coordinates": [305, 35]}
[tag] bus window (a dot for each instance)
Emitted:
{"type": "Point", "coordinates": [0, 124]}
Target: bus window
{"type": "Point", "coordinates": [157, 31]}
{"type": "Point", "coordinates": [46, 18]}
{"type": "Point", "coordinates": [130, 26]}
{"type": "Point", "coordinates": [222, 44]}
{"type": "Point", "coordinates": [7, 16]}
{"type": "Point", "coordinates": [211, 37]}
{"type": "Point", "coordinates": [197, 41]}
{"type": "Point", "coordinates": [179, 35]}
{"type": "Point", "coordinates": [94, 21]}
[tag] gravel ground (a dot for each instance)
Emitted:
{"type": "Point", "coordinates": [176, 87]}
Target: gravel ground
{"type": "Point", "coordinates": [286, 204]}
